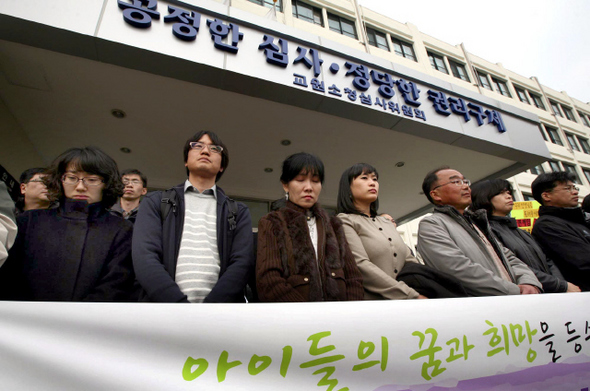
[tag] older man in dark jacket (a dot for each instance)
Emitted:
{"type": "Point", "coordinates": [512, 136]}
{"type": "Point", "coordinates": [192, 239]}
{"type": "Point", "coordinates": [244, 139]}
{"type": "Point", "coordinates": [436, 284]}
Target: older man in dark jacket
{"type": "Point", "coordinates": [561, 229]}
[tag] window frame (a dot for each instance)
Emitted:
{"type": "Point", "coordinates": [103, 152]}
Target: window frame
{"type": "Point", "coordinates": [297, 4]}
{"type": "Point", "coordinates": [482, 75]}
{"type": "Point", "coordinates": [403, 45]}
{"type": "Point", "coordinates": [434, 57]}
{"type": "Point", "coordinates": [584, 119]}
{"type": "Point", "coordinates": [377, 33]}
{"type": "Point", "coordinates": [339, 19]}
{"type": "Point", "coordinates": [569, 114]}
{"type": "Point", "coordinates": [555, 108]}
{"type": "Point", "coordinates": [554, 165]}
{"type": "Point", "coordinates": [586, 172]}
{"type": "Point", "coordinates": [269, 4]}
{"type": "Point", "coordinates": [455, 67]}
{"type": "Point", "coordinates": [568, 167]}
{"type": "Point", "coordinates": [537, 170]}
{"type": "Point", "coordinates": [584, 144]}
{"type": "Point", "coordinates": [537, 101]}
{"type": "Point", "coordinates": [501, 87]}
{"type": "Point", "coordinates": [571, 140]}
{"type": "Point", "coordinates": [522, 91]}
{"type": "Point", "coordinates": [553, 134]}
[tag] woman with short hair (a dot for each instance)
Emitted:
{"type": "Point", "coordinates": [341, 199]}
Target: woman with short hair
{"type": "Point", "coordinates": [378, 249]}
{"type": "Point", "coordinates": [79, 251]}
{"type": "Point", "coordinates": [495, 196]}
{"type": "Point", "coordinates": [302, 252]}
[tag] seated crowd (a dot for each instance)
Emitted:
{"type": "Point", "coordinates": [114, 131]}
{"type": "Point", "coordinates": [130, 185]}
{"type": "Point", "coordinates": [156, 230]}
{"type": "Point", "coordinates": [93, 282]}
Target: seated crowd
{"type": "Point", "coordinates": [83, 231]}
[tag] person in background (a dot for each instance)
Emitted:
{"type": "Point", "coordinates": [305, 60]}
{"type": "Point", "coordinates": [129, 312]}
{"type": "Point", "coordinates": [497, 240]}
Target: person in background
{"type": "Point", "coordinates": [561, 229]}
{"type": "Point", "coordinates": [78, 251]}
{"type": "Point", "coordinates": [461, 243]}
{"type": "Point", "coordinates": [377, 247]}
{"type": "Point", "coordinates": [201, 249]}
{"type": "Point", "coordinates": [135, 187]}
{"type": "Point", "coordinates": [302, 252]}
{"type": "Point", "coordinates": [495, 196]}
{"type": "Point", "coordinates": [7, 223]}
{"type": "Point", "coordinates": [33, 191]}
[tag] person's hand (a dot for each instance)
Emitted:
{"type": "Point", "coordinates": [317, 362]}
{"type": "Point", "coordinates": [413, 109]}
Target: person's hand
{"type": "Point", "coordinates": [528, 290]}
{"type": "Point", "coordinates": [422, 297]}
{"type": "Point", "coordinates": [573, 288]}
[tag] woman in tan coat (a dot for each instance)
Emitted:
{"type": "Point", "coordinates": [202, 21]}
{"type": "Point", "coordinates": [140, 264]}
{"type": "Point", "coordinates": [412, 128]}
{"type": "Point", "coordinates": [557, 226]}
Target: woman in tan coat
{"type": "Point", "coordinates": [378, 249]}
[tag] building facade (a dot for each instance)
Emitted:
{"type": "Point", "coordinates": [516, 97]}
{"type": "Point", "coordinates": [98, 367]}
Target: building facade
{"type": "Point", "coordinates": [77, 68]}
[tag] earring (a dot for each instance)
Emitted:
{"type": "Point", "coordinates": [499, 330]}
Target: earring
{"type": "Point", "coordinates": [287, 196]}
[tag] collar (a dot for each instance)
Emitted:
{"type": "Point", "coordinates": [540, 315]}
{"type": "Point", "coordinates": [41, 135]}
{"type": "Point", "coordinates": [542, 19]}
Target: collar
{"type": "Point", "coordinates": [572, 214]}
{"type": "Point", "coordinates": [188, 186]}
{"type": "Point", "coordinates": [505, 220]}
{"type": "Point", "coordinates": [80, 209]}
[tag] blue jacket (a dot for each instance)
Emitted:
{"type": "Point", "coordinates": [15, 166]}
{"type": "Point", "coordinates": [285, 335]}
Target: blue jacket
{"type": "Point", "coordinates": [156, 245]}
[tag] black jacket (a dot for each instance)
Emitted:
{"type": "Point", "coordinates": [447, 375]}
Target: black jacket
{"type": "Point", "coordinates": [156, 245]}
{"type": "Point", "coordinates": [564, 236]}
{"type": "Point", "coordinates": [77, 252]}
{"type": "Point", "coordinates": [527, 250]}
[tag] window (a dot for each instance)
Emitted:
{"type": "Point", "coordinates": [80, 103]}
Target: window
{"type": "Point", "coordinates": [537, 170]}
{"type": "Point", "coordinates": [569, 114]}
{"type": "Point", "coordinates": [555, 108]}
{"type": "Point", "coordinates": [584, 144]}
{"type": "Point", "coordinates": [586, 172]}
{"type": "Point", "coordinates": [483, 80]}
{"type": "Point", "coordinates": [571, 168]}
{"type": "Point", "coordinates": [269, 3]}
{"type": "Point", "coordinates": [437, 63]}
{"type": "Point", "coordinates": [522, 95]}
{"type": "Point", "coordinates": [377, 39]}
{"type": "Point", "coordinates": [553, 135]}
{"type": "Point", "coordinates": [458, 70]}
{"type": "Point", "coordinates": [584, 119]}
{"type": "Point", "coordinates": [403, 49]}
{"type": "Point", "coordinates": [307, 12]}
{"type": "Point", "coordinates": [342, 26]}
{"type": "Point", "coordinates": [571, 139]}
{"type": "Point", "coordinates": [537, 101]}
{"type": "Point", "coordinates": [542, 133]}
{"type": "Point", "coordinates": [501, 87]}
{"type": "Point", "coordinates": [554, 166]}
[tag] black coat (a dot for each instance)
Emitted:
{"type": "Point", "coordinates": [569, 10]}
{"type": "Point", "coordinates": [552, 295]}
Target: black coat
{"type": "Point", "coordinates": [527, 250]}
{"type": "Point", "coordinates": [564, 235]}
{"type": "Point", "coordinates": [77, 252]}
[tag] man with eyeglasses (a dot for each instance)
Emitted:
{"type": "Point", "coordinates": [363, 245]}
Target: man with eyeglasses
{"type": "Point", "coordinates": [460, 242]}
{"type": "Point", "coordinates": [192, 243]}
{"type": "Point", "coordinates": [33, 191]}
{"type": "Point", "coordinates": [561, 229]}
{"type": "Point", "coordinates": [135, 187]}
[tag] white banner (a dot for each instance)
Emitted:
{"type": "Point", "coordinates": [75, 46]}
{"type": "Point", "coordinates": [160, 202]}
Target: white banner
{"type": "Point", "coordinates": [535, 342]}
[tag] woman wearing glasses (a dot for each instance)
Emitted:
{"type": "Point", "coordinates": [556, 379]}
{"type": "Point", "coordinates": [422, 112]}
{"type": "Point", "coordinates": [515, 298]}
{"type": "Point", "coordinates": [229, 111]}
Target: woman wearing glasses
{"type": "Point", "coordinates": [79, 251]}
{"type": "Point", "coordinates": [302, 252]}
{"type": "Point", "coordinates": [378, 249]}
{"type": "Point", "coordinates": [495, 196]}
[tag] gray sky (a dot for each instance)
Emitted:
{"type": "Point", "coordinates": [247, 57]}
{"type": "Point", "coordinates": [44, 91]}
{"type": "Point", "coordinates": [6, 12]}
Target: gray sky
{"type": "Point", "coordinates": [549, 39]}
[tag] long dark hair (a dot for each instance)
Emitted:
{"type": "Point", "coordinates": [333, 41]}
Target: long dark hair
{"type": "Point", "coordinates": [345, 198]}
{"type": "Point", "coordinates": [93, 161]}
{"type": "Point", "coordinates": [483, 192]}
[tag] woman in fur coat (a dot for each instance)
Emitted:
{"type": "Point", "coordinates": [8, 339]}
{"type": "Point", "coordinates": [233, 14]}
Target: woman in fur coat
{"type": "Point", "coordinates": [302, 252]}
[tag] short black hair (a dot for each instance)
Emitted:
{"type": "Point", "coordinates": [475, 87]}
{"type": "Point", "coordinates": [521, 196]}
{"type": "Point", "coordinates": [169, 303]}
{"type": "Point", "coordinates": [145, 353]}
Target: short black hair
{"type": "Point", "coordinates": [548, 181]}
{"type": "Point", "coordinates": [429, 180]}
{"type": "Point", "coordinates": [483, 192]}
{"type": "Point", "coordinates": [586, 204]}
{"type": "Point", "coordinates": [302, 162]}
{"type": "Point", "coordinates": [28, 174]}
{"type": "Point", "coordinates": [93, 161]}
{"type": "Point", "coordinates": [217, 141]}
{"type": "Point", "coordinates": [345, 198]}
{"type": "Point", "coordinates": [25, 177]}
{"type": "Point", "coordinates": [133, 171]}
